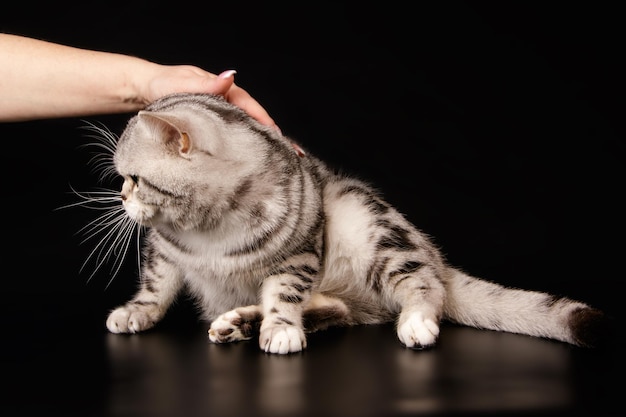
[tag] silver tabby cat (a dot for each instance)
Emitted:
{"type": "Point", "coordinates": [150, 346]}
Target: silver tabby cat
{"type": "Point", "coordinates": [272, 243]}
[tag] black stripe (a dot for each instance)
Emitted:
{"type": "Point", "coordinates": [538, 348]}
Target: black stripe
{"type": "Point", "coordinates": [290, 298]}
{"type": "Point", "coordinates": [168, 193]}
{"type": "Point", "coordinates": [283, 320]}
{"type": "Point", "coordinates": [242, 189]}
{"type": "Point", "coordinates": [375, 273]}
{"type": "Point", "coordinates": [260, 241]}
{"type": "Point", "coordinates": [299, 271]}
{"type": "Point", "coordinates": [172, 241]}
{"type": "Point", "coordinates": [397, 238]}
{"type": "Point", "coordinates": [407, 268]}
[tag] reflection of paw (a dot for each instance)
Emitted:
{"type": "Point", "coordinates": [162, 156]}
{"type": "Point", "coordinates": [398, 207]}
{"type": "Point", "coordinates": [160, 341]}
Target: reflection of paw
{"type": "Point", "coordinates": [282, 339]}
{"type": "Point", "coordinates": [235, 325]}
{"type": "Point", "coordinates": [132, 319]}
{"type": "Point", "coordinates": [417, 332]}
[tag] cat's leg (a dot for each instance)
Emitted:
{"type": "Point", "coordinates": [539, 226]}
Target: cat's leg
{"type": "Point", "coordinates": [242, 323]}
{"type": "Point", "coordinates": [283, 298]}
{"type": "Point", "coordinates": [419, 292]}
{"type": "Point", "coordinates": [161, 281]}
{"type": "Point", "coordinates": [324, 311]}
{"type": "Point", "coordinates": [278, 319]}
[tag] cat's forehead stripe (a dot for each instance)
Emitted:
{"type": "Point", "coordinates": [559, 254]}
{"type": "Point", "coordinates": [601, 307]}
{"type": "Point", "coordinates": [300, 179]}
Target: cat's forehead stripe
{"type": "Point", "coordinates": [215, 104]}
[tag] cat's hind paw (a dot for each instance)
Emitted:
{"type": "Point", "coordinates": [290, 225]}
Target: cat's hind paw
{"type": "Point", "coordinates": [239, 324]}
{"type": "Point", "coordinates": [417, 332]}
{"type": "Point", "coordinates": [282, 339]}
{"type": "Point", "coordinates": [131, 320]}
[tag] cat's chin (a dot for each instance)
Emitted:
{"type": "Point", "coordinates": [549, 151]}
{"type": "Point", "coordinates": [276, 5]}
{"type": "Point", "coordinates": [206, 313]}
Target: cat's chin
{"type": "Point", "coordinates": [140, 215]}
{"type": "Point", "coordinates": [143, 216]}
{"type": "Point", "coordinates": [144, 222]}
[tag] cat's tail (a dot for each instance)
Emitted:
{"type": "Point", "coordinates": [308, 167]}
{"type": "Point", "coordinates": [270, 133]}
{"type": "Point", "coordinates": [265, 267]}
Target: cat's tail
{"type": "Point", "coordinates": [483, 304]}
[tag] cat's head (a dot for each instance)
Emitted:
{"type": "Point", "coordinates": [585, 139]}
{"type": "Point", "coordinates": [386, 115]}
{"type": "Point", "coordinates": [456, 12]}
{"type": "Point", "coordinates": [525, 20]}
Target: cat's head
{"type": "Point", "coordinates": [188, 159]}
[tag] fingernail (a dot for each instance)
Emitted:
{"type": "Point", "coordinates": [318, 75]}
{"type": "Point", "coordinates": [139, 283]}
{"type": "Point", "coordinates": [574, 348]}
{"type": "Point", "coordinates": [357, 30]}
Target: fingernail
{"type": "Point", "coordinates": [227, 74]}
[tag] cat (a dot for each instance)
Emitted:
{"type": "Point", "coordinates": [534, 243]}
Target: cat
{"type": "Point", "coordinates": [272, 243]}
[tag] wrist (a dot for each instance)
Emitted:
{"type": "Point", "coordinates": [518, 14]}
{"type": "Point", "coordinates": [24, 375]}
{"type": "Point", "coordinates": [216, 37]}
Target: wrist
{"type": "Point", "coordinates": [136, 88]}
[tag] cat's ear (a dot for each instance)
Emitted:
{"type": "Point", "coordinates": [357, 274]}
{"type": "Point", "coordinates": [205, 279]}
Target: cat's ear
{"type": "Point", "coordinates": [170, 130]}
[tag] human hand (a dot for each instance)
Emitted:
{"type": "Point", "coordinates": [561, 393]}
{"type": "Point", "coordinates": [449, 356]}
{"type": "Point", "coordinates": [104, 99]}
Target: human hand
{"type": "Point", "coordinates": [40, 79]}
{"type": "Point", "coordinates": [190, 79]}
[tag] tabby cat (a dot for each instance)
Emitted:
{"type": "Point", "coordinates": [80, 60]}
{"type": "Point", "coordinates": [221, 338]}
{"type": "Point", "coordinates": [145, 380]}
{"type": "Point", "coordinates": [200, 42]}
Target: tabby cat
{"type": "Point", "coordinates": [273, 243]}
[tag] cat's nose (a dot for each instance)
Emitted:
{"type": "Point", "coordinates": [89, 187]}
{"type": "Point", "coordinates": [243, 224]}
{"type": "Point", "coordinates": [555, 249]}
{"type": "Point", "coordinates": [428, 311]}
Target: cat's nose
{"type": "Point", "coordinates": [127, 189]}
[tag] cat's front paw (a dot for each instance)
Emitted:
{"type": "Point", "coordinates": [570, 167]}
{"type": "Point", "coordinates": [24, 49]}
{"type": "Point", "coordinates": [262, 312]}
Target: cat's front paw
{"type": "Point", "coordinates": [133, 319]}
{"type": "Point", "coordinates": [282, 339]}
{"type": "Point", "coordinates": [238, 324]}
{"type": "Point", "coordinates": [416, 331]}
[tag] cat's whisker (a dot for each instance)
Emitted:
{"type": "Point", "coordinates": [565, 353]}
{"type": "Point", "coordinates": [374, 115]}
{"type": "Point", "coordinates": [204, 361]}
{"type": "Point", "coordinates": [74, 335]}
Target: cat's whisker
{"type": "Point", "coordinates": [111, 218]}
{"type": "Point", "coordinates": [140, 232]}
{"type": "Point", "coordinates": [102, 133]}
{"type": "Point", "coordinates": [113, 230]}
{"type": "Point", "coordinates": [130, 229]}
{"type": "Point", "coordinates": [116, 241]}
{"type": "Point", "coordinates": [121, 246]}
{"type": "Point", "coordinates": [115, 225]}
{"type": "Point", "coordinates": [105, 140]}
{"type": "Point", "coordinates": [86, 204]}
{"type": "Point", "coordinates": [102, 243]}
{"type": "Point", "coordinates": [102, 165]}
{"type": "Point", "coordinates": [102, 197]}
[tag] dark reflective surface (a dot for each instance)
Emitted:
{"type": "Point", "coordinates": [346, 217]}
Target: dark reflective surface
{"type": "Point", "coordinates": [361, 371]}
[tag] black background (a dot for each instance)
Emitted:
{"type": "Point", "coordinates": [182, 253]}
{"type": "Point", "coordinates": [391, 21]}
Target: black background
{"type": "Point", "coordinates": [496, 127]}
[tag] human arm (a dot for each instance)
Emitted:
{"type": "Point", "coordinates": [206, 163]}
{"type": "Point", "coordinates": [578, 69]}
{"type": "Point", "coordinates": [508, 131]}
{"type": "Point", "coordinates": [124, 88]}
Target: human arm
{"type": "Point", "coordinates": [40, 79]}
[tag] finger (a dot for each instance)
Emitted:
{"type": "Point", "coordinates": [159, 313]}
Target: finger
{"type": "Point", "coordinates": [222, 83]}
{"type": "Point", "coordinates": [241, 98]}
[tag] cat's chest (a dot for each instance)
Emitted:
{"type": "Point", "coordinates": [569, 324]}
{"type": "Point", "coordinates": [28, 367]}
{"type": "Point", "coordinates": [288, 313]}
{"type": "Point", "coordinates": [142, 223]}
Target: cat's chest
{"type": "Point", "coordinates": [205, 254]}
